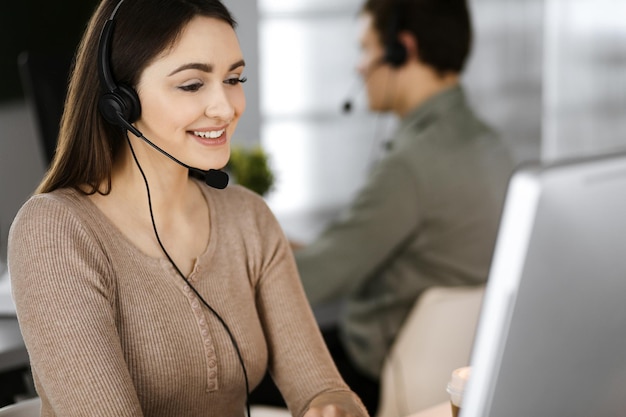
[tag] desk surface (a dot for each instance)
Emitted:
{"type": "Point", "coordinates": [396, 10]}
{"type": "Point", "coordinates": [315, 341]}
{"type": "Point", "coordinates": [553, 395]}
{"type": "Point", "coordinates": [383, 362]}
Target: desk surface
{"type": "Point", "coordinates": [440, 410]}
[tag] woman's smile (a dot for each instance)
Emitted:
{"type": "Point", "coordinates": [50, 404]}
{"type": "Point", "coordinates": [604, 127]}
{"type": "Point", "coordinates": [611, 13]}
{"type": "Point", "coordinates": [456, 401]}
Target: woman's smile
{"type": "Point", "coordinates": [212, 137]}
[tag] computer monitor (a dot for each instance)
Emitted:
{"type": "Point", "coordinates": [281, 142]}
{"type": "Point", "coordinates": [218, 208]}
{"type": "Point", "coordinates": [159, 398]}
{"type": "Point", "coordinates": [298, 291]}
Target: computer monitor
{"type": "Point", "coordinates": [551, 338]}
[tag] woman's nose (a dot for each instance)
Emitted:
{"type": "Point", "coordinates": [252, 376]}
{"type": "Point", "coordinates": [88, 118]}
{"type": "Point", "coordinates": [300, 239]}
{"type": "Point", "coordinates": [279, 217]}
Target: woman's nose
{"type": "Point", "coordinates": [219, 105]}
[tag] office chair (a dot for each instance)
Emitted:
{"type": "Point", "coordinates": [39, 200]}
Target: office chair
{"type": "Point", "coordinates": [44, 78]}
{"type": "Point", "coordinates": [435, 339]}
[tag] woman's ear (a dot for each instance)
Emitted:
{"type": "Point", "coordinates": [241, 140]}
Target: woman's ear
{"type": "Point", "coordinates": [409, 42]}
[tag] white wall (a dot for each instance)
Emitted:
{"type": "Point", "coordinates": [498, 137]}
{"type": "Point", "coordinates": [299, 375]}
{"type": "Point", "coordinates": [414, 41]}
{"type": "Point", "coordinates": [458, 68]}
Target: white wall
{"type": "Point", "coordinates": [585, 78]}
{"type": "Point", "coordinates": [504, 73]}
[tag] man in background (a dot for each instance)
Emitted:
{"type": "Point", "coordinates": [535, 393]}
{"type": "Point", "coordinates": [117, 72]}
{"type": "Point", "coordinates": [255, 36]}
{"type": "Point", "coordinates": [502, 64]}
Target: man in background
{"type": "Point", "coordinates": [428, 214]}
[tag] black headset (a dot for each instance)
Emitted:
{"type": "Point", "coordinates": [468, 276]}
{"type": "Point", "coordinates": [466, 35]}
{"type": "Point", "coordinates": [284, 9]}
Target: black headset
{"type": "Point", "coordinates": [119, 104]}
{"type": "Point", "coordinates": [395, 51]}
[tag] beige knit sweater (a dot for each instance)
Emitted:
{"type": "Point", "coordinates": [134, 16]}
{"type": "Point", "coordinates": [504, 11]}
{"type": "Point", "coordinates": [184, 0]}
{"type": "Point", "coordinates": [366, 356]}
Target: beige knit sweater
{"type": "Point", "coordinates": [113, 332]}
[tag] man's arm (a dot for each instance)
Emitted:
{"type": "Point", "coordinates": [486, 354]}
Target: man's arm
{"type": "Point", "coordinates": [351, 249]}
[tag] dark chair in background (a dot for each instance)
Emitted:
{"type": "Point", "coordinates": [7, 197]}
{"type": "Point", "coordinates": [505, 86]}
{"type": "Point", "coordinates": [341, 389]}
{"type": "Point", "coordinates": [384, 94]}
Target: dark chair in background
{"type": "Point", "coordinates": [44, 78]}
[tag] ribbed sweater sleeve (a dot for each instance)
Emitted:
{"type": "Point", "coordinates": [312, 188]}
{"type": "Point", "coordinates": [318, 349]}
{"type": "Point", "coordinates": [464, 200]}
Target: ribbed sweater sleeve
{"type": "Point", "coordinates": [66, 314]}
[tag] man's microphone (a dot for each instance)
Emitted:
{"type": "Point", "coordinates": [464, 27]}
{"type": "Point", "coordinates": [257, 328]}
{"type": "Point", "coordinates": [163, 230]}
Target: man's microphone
{"type": "Point", "coordinates": [347, 104]}
{"type": "Point", "coordinates": [213, 177]}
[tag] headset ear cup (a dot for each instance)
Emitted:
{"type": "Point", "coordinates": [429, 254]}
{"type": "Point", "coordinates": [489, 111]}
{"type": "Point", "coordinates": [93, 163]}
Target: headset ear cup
{"type": "Point", "coordinates": [131, 101]}
{"type": "Point", "coordinates": [120, 107]}
{"type": "Point", "coordinates": [395, 54]}
{"type": "Point", "coordinates": [112, 108]}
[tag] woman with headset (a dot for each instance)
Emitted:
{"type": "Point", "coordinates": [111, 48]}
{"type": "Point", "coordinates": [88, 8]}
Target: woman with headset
{"type": "Point", "coordinates": [140, 289]}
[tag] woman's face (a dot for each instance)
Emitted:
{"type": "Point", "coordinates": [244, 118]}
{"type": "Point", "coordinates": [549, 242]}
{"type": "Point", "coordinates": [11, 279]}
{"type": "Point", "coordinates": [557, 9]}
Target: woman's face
{"type": "Point", "coordinates": [191, 95]}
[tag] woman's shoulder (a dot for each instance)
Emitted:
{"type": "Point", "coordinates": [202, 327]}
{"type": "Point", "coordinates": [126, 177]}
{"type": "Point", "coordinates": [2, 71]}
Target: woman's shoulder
{"type": "Point", "coordinates": [51, 210]}
{"type": "Point", "coordinates": [42, 204]}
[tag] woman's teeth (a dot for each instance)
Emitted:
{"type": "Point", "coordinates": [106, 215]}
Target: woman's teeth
{"type": "Point", "coordinates": [213, 134]}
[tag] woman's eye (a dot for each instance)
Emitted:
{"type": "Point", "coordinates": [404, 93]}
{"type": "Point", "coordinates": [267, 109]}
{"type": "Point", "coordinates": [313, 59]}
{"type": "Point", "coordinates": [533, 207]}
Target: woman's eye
{"type": "Point", "coordinates": [191, 87]}
{"type": "Point", "coordinates": [235, 81]}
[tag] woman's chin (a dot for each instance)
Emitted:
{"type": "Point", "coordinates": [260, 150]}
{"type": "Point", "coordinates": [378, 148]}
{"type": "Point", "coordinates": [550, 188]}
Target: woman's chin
{"type": "Point", "coordinates": [215, 161]}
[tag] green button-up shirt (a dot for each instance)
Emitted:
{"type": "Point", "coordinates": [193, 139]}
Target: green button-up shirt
{"type": "Point", "coordinates": [427, 216]}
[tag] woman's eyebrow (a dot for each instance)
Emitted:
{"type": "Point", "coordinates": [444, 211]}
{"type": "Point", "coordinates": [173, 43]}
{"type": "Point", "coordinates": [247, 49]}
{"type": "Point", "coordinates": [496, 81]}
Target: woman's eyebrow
{"type": "Point", "coordinates": [193, 65]}
{"type": "Point", "coordinates": [205, 67]}
{"type": "Point", "coordinates": [240, 63]}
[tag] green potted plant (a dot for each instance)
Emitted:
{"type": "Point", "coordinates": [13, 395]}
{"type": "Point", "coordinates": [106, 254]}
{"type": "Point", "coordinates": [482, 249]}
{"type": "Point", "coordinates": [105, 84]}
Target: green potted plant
{"type": "Point", "coordinates": [249, 167]}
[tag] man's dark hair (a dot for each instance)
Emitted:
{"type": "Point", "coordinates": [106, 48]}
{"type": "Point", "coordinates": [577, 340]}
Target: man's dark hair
{"type": "Point", "coordinates": [442, 28]}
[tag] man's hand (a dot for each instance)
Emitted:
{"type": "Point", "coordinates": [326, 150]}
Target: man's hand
{"type": "Point", "coordinates": [336, 404]}
{"type": "Point", "coordinates": [330, 410]}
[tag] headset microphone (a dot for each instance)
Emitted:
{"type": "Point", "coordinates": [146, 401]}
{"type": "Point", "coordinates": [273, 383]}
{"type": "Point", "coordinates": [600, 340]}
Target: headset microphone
{"type": "Point", "coordinates": [213, 177]}
{"type": "Point", "coordinates": [347, 105]}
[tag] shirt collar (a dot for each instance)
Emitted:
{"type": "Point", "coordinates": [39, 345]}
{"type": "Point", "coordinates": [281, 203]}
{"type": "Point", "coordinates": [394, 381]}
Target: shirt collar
{"type": "Point", "coordinates": [435, 105]}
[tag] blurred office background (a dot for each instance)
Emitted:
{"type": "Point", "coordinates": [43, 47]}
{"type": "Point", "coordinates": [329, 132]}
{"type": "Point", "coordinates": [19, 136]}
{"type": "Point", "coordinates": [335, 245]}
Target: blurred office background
{"type": "Point", "coordinates": [550, 75]}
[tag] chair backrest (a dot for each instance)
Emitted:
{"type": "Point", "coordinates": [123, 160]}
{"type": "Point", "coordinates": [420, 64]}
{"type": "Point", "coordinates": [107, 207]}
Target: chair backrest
{"type": "Point", "coordinates": [26, 408]}
{"type": "Point", "coordinates": [44, 78]}
{"type": "Point", "coordinates": [436, 338]}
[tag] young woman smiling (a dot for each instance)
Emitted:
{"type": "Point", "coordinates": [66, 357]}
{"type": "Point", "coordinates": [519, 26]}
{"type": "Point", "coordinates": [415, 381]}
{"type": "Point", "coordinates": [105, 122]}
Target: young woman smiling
{"type": "Point", "coordinates": [141, 290]}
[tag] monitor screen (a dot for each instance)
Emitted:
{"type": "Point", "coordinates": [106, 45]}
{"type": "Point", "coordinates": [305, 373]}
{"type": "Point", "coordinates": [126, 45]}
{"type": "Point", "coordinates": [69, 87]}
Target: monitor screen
{"type": "Point", "coordinates": [551, 338]}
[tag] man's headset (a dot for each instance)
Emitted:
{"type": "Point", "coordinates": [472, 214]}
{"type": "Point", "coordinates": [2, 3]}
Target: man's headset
{"type": "Point", "coordinates": [395, 51]}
